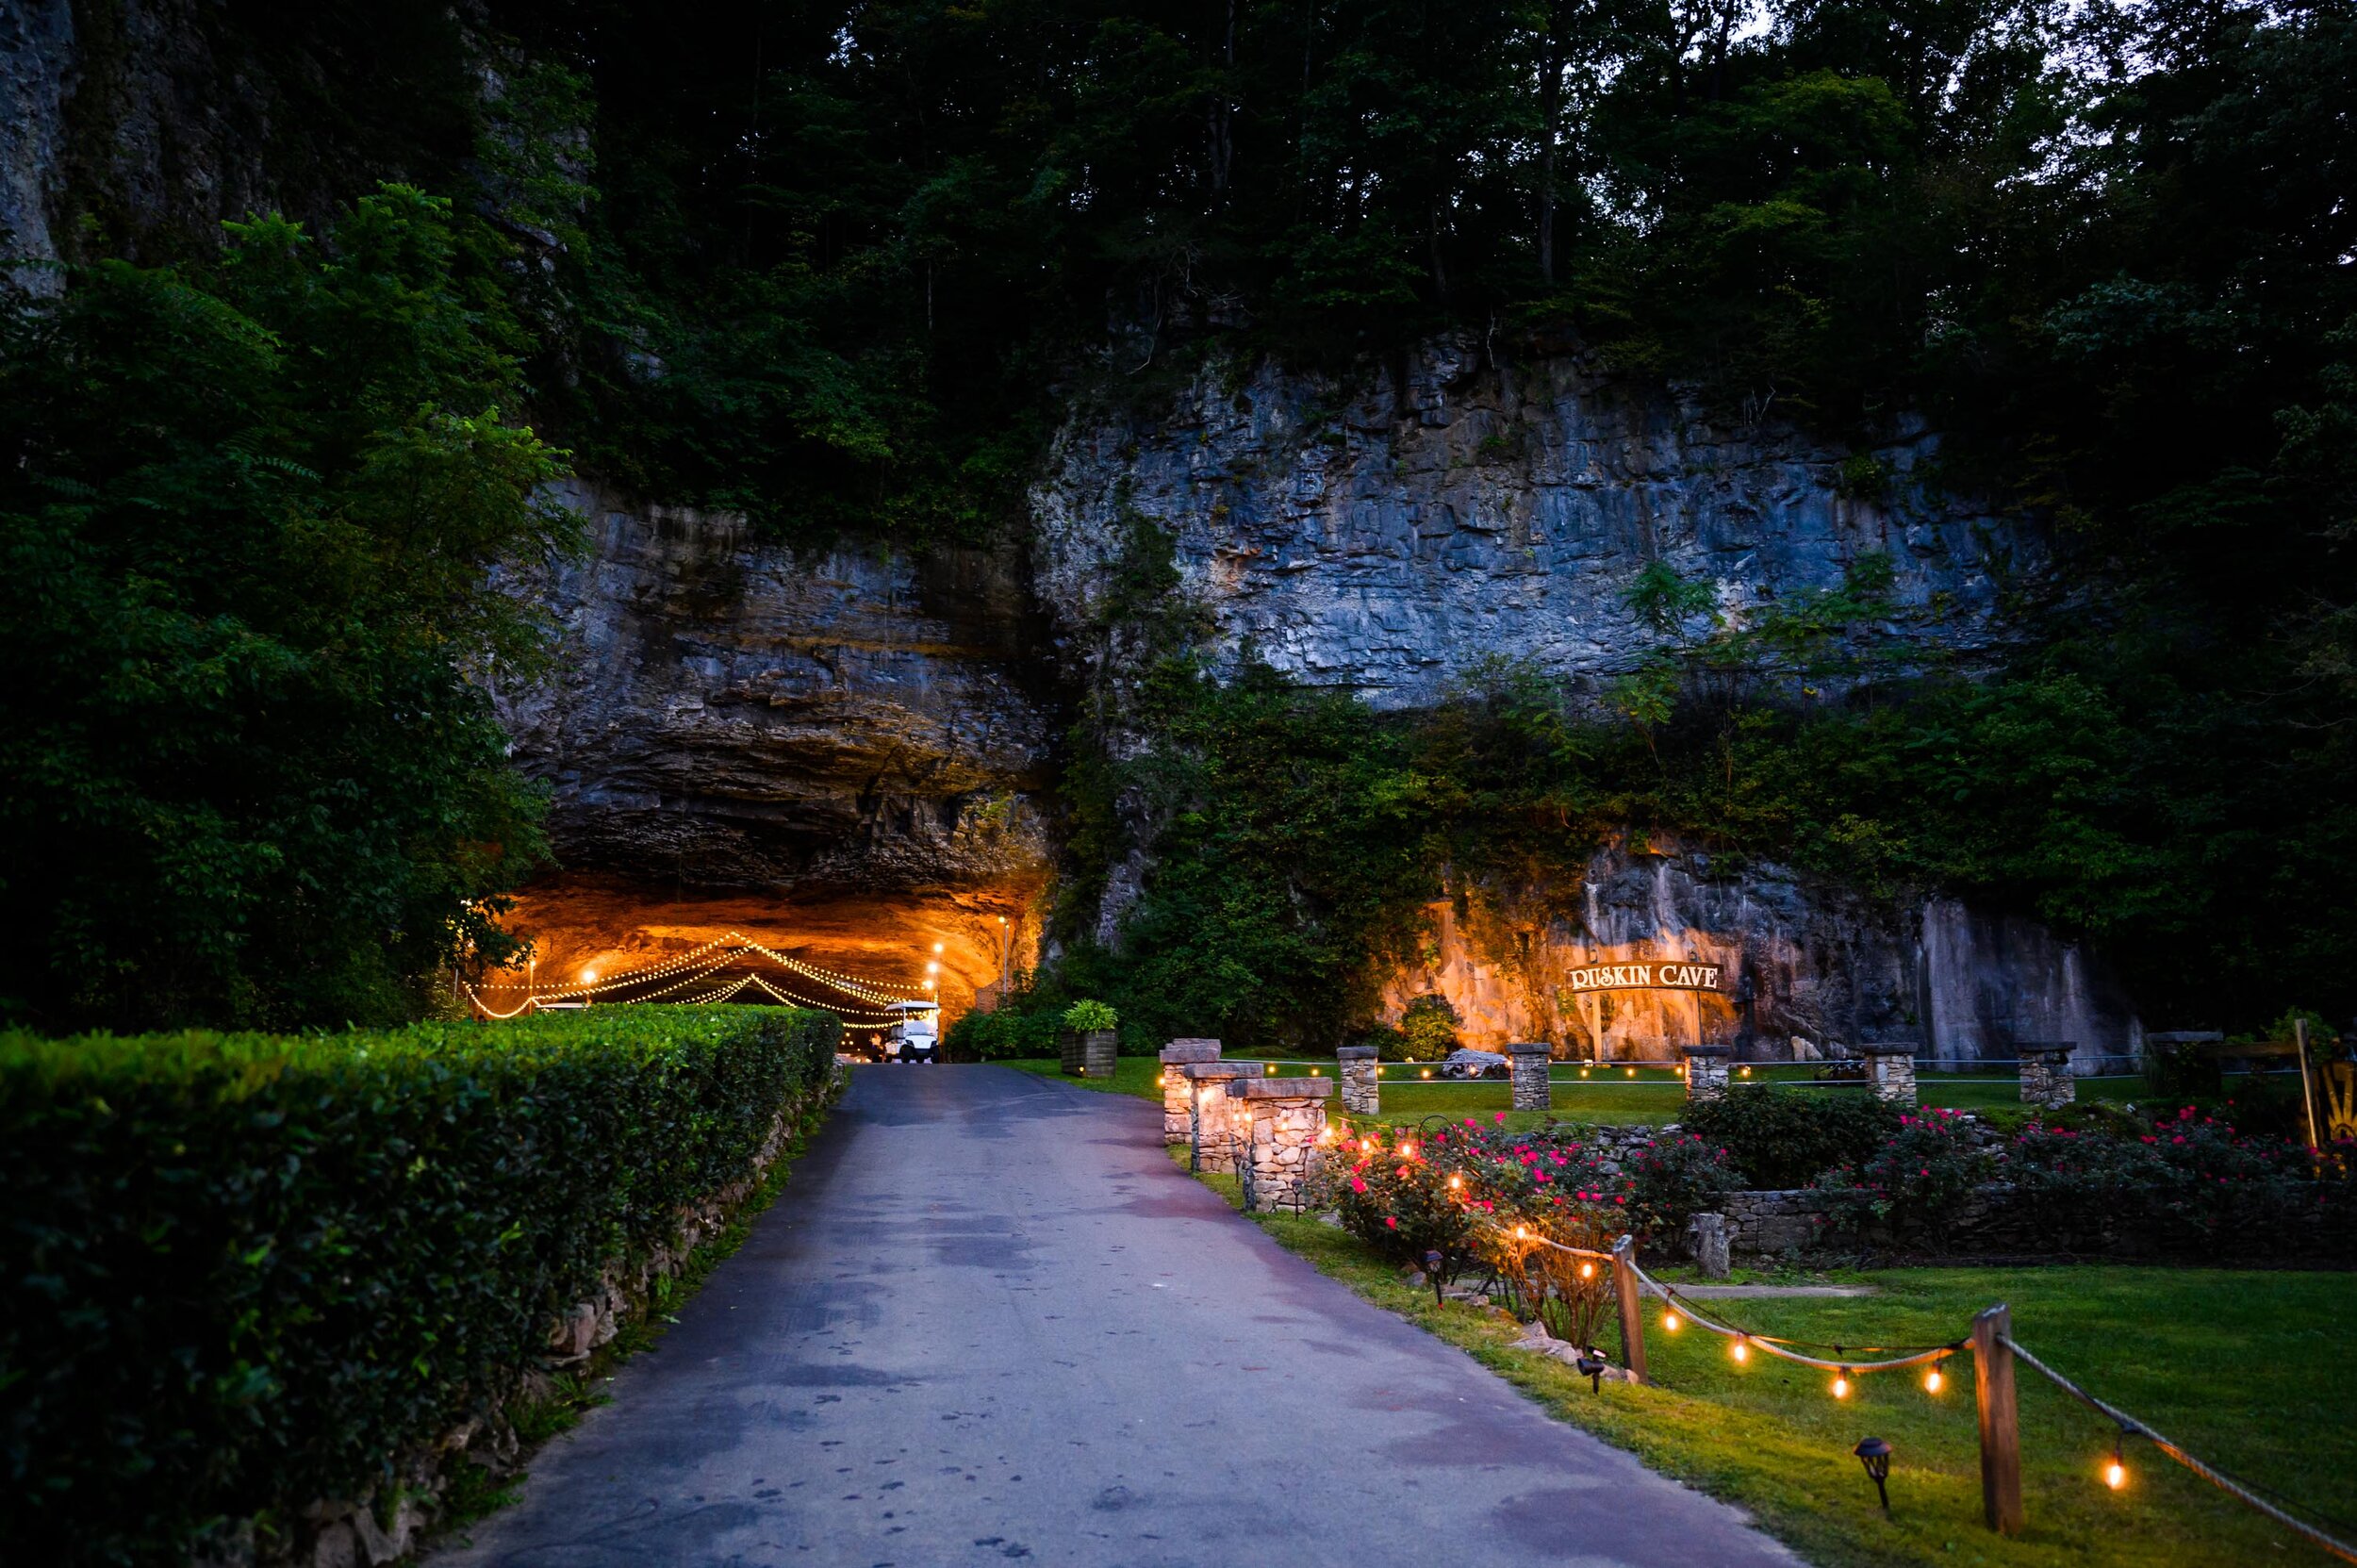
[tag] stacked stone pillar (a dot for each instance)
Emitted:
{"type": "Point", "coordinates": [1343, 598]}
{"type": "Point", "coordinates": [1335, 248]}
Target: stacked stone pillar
{"type": "Point", "coordinates": [1281, 1126]}
{"type": "Point", "coordinates": [1890, 1070]}
{"type": "Point", "coordinates": [1210, 1132]}
{"type": "Point", "coordinates": [1177, 1118]}
{"type": "Point", "coordinates": [1531, 1090]}
{"type": "Point", "coordinates": [1706, 1071]}
{"type": "Point", "coordinates": [2046, 1079]}
{"type": "Point", "coordinates": [1363, 1084]}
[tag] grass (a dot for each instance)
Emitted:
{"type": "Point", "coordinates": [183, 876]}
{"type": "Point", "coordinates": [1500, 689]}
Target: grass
{"type": "Point", "coordinates": [1613, 1095]}
{"type": "Point", "coordinates": [2236, 1366]}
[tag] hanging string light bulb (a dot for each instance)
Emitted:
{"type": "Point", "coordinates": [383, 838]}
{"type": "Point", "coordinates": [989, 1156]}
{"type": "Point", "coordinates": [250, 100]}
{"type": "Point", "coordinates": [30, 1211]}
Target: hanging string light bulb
{"type": "Point", "coordinates": [1934, 1379]}
{"type": "Point", "coordinates": [1842, 1384]}
{"type": "Point", "coordinates": [1739, 1351]}
{"type": "Point", "coordinates": [2116, 1473]}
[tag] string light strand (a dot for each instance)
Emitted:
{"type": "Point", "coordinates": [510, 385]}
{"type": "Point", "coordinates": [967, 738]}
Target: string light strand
{"type": "Point", "coordinates": [2131, 1427]}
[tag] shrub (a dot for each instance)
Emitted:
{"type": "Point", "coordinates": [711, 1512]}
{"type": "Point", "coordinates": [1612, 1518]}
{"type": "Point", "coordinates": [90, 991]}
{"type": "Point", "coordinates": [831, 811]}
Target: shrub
{"type": "Point", "coordinates": [996, 1036]}
{"type": "Point", "coordinates": [1427, 1029]}
{"type": "Point", "coordinates": [2180, 1069]}
{"type": "Point", "coordinates": [242, 1273]}
{"type": "Point", "coordinates": [1918, 1180]}
{"type": "Point", "coordinates": [2189, 1184]}
{"type": "Point", "coordinates": [1088, 1016]}
{"type": "Point", "coordinates": [1671, 1180]}
{"type": "Point", "coordinates": [1782, 1138]}
{"type": "Point", "coordinates": [1400, 1204]}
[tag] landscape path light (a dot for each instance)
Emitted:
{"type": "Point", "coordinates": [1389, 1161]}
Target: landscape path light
{"type": "Point", "coordinates": [1874, 1454]}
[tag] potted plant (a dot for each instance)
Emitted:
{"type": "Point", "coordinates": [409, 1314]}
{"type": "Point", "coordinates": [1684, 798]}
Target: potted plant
{"type": "Point", "coordinates": [1090, 1039]}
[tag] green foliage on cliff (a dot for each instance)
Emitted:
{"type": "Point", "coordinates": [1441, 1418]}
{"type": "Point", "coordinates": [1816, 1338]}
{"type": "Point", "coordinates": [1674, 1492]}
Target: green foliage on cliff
{"type": "Point", "coordinates": [838, 266]}
{"type": "Point", "coordinates": [247, 512]}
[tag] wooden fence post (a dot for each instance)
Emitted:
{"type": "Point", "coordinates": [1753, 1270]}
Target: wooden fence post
{"type": "Point", "coordinates": [1632, 1311]}
{"type": "Point", "coordinates": [2001, 1428]}
{"type": "Point", "coordinates": [2307, 1095]}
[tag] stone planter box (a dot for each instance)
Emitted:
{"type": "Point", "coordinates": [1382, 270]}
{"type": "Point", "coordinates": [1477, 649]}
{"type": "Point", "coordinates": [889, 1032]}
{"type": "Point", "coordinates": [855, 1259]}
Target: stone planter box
{"type": "Point", "coordinates": [1098, 1050]}
{"type": "Point", "coordinates": [1068, 1050]}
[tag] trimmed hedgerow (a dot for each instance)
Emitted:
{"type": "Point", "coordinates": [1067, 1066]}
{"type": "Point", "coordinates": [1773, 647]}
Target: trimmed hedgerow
{"type": "Point", "coordinates": [242, 1273]}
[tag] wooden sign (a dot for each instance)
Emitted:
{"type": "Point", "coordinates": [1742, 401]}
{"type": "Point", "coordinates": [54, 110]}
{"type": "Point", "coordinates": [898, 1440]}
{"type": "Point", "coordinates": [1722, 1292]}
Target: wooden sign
{"type": "Point", "coordinates": [1644, 977]}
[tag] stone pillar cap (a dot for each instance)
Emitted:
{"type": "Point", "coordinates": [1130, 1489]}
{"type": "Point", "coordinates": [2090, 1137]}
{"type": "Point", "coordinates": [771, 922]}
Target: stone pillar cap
{"type": "Point", "coordinates": [1282, 1088]}
{"type": "Point", "coordinates": [1223, 1069]}
{"type": "Point", "coordinates": [1529, 1047]}
{"type": "Point", "coordinates": [1355, 1053]}
{"type": "Point", "coordinates": [1708, 1051]}
{"type": "Point", "coordinates": [1889, 1048]}
{"type": "Point", "coordinates": [1191, 1051]}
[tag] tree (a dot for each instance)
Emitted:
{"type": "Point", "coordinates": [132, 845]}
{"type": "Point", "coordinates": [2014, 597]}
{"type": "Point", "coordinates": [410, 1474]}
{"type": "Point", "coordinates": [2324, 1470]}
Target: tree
{"type": "Point", "coordinates": [247, 514]}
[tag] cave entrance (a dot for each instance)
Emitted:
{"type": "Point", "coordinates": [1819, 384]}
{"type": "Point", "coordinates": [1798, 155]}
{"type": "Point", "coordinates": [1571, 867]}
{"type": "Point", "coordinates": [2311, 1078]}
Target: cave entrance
{"type": "Point", "coordinates": [602, 939]}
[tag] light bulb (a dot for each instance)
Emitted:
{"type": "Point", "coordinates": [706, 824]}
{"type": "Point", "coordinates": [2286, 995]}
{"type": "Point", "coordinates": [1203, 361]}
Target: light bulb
{"type": "Point", "coordinates": [1456, 1180]}
{"type": "Point", "coordinates": [1841, 1386]}
{"type": "Point", "coordinates": [1583, 1072]}
{"type": "Point", "coordinates": [1521, 1235]}
{"type": "Point", "coordinates": [1408, 1152]}
{"type": "Point", "coordinates": [1632, 1072]}
{"type": "Point", "coordinates": [588, 974]}
{"type": "Point", "coordinates": [1740, 1351]}
{"type": "Point", "coordinates": [2115, 1474]}
{"type": "Point", "coordinates": [1933, 1381]}
{"type": "Point", "coordinates": [1670, 1322]}
{"type": "Point", "coordinates": [1586, 1271]}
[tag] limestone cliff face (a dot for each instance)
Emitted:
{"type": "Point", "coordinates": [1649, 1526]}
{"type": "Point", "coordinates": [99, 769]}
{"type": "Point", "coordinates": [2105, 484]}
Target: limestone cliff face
{"type": "Point", "coordinates": [1385, 534]}
{"type": "Point", "coordinates": [1798, 958]}
{"type": "Point", "coordinates": [726, 714]}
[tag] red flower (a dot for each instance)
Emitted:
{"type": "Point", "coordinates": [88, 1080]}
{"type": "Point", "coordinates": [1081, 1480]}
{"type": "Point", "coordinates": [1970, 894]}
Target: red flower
{"type": "Point", "coordinates": [1392, 1220]}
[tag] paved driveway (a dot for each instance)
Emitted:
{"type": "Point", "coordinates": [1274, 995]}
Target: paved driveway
{"type": "Point", "coordinates": [988, 1321]}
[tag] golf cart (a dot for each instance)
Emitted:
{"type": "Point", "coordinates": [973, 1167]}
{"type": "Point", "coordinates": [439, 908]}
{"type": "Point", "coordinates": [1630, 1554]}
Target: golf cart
{"type": "Point", "coordinates": [917, 1037]}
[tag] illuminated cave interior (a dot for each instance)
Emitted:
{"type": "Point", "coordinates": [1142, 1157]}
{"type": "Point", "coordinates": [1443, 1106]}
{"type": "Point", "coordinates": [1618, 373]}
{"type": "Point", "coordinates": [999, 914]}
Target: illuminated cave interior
{"type": "Point", "coordinates": [597, 925]}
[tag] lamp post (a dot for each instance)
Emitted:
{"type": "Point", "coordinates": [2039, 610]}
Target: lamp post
{"type": "Point", "coordinates": [1874, 1454]}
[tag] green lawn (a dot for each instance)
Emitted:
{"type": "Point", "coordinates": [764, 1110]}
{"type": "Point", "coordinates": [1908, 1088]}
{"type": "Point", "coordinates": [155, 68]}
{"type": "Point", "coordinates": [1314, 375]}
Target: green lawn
{"type": "Point", "coordinates": [2240, 1367]}
{"type": "Point", "coordinates": [1654, 1095]}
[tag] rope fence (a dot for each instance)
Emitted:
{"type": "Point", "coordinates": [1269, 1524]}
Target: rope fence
{"type": "Point", "coordinates": [2131, 1427]}
{"type": "Point", "coordinates": [1993, 1349]}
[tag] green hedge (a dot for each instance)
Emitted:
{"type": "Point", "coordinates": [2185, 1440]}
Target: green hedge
{"type": "Point", "coordinates": [1783, 1138]}
{"type": "Point", "coordinates": [241, 1271]}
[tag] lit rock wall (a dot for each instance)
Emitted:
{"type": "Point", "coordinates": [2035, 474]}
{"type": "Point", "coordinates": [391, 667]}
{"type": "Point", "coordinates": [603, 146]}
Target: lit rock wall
{"type": "Point", "coordinates": [1800, 958]}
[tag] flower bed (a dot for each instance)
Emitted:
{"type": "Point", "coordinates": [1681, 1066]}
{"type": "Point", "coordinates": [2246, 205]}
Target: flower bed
{"type": "Point", "coordinates": [2186, 1183]}
{"type": "Point", "coordinates": [1465, 1187]}
{"type": "Point", "coordinates": [244, 1273]}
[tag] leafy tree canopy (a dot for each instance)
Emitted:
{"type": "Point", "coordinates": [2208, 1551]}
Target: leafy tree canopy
{"type": "Point", "coordinates": [247, 512]}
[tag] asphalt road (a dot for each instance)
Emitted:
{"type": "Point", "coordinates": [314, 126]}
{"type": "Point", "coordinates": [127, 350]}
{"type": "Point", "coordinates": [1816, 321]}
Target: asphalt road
{"type": "Point", "coordinates": [989, 1321]}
